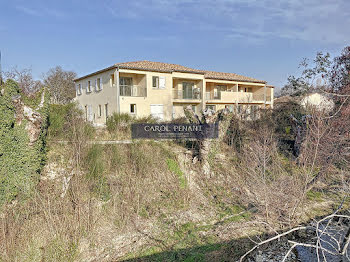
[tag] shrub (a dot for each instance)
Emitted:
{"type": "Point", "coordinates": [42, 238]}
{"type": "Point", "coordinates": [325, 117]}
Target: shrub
{"type": "Point", "coordinates": [147, 119]}
{"type": "Point", "coordinates": [57, 119]}
{"type": "Point", "coordinates": [118, 122]}
{"type": "Point", "coordinates": [64, 118]}
{"type": "Point", "coordinates": [122, 121]}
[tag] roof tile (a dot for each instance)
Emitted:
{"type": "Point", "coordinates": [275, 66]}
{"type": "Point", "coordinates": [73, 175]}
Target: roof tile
{"type": "Point", "coordinates": [168, 68]}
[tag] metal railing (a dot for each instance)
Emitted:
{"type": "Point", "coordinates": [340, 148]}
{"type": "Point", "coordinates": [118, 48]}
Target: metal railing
{"type": "Point", "coordinates": [212, 96]}
{"type": "Point", "coordinates": [133, 90]}
{"type": "Point", "coordinates": [187, 94]}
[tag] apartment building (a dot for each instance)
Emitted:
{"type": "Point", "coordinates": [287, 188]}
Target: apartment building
{"type": "Point", "coordinates": [144, 88]}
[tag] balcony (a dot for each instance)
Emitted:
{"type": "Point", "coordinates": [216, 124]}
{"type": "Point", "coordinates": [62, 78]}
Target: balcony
{"type": "Point", "coordinates": [212, 96]}
{"type": "Point", "coordinates": [133, 90]}
{"type": "Point", "coordinates": [189, 94]}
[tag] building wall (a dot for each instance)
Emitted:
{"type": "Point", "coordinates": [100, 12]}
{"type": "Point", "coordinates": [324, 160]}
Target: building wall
{"type": "Point", "coordinates": [154, 96]}
{"type": "Point", "coordinates": [172, 108]}
{"type": "Point", "coordinates": [108, 95]}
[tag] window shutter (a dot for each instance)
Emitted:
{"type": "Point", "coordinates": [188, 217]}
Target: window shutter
{"type": "Point", "coordinates": [161, 82]}
{"type": "Point", "coordinates": [87, 87]}
{"type": "Point", "coordinates": [101, 85]}
{"type": "Point", "coordinates": [96, 87]}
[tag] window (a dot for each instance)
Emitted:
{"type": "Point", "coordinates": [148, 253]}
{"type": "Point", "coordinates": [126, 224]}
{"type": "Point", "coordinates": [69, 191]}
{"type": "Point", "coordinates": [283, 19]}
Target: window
{"type": "Point", "coordinates": [211, 107]}
{"type": "Point", "coordinates": [125, 86]}
{"type": "Point", "coordinates": [193, 108]}
{"type": "Point", "coordinates": [189, 92]}
{"type": "Point", "coordinates": [89, 113]}
{"type": "Point", "coordinates": [155, 81]}
{"type": "Point", "coordinates": [157, 111]}
{"type": "Point", "coordinates": [162, 82]}
{"type": "Point", "coordinates": [98, 86]}
{"type": "Point", "coordinates": [99, 110]}
{"type": "Point", "coordinates": [125, 81]}
{"type": "Point", "coordinates": [112, 80]}
{"type": "Point", "coordinates": [250, 89]}
{"type": "Point", "coordinates": [88, 87]}
{"type": "Point", "coordinates": [229, 107]}
{"type": "Point", "coordinates": [78, 88]}
{"type": "Point", "coordinates": [222, 87]}
{"type": "Point", "coordinates": [106, 111]}
{"type": "Point", "coordinates": [133, 108]}
{"type": "Point", "coordinates": [158, 82]}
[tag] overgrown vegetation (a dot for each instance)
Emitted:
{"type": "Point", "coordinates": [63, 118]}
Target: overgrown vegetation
{"type": "Point", "coordinates": [20, 164]}
{"type": "Point", "coordinates": [151, 200]}
{"type": "Point", "coordinates": [121, 122]}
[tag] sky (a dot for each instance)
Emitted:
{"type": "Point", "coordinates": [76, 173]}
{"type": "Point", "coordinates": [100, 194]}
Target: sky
{"type": "Point", "coordinates": [264, 39]}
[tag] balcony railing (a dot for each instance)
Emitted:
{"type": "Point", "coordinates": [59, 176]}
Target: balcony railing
{"type": "Point", "coordinates": [133, 90]}
{"type": "Point", "coordinates": [187, 94]}
{"type": "Point", "coordinates": [261, 97]}
{"type": "Point", "coordinates": [258, 97]}
{"type": "Point", "coordinates": [212, 96]}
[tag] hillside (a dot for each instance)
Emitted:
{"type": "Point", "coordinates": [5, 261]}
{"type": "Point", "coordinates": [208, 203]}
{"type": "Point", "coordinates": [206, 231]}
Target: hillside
{"type": "Point", "coordinates": [66, 196]}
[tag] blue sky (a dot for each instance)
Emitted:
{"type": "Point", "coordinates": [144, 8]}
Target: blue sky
{"type": "Point", "coordinates": [265, 39]}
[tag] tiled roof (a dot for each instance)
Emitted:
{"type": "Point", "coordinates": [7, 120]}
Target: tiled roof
{"type": "Point", "coordinates": [165, 67]}
{"type": "Point", "coordinates": [230, 76]}
{"type": "Point", "coordinates": [168, 68]}
{"type": "Point", "coordinates": [157, 66]}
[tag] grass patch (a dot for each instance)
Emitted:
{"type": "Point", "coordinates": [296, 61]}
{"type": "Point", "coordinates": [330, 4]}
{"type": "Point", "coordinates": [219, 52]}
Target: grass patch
{"type": "Point", "coordinates": [314, 195]}
{"type": "Point", "coordinates": [95, 164]}
{"type": "Point", "coordinates": [60, 250]}
{"type": "Point", "coordinates": [174, 168]}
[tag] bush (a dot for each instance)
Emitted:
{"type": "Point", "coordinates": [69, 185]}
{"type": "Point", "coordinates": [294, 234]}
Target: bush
{"type": "Point", "coordinates": [117, 122]}
{"type": "Point", "coordinates": [122, 121]}
{"type": "Point", "coordinates": [64, 120]}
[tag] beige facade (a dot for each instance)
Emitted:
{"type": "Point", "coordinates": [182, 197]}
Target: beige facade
{"type": "Point", "coordinates": [162, 92]}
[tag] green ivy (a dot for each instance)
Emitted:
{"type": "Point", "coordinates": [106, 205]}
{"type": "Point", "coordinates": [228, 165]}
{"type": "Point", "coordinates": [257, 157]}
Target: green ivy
{"type": "Point", "coordinates": [20, 164]}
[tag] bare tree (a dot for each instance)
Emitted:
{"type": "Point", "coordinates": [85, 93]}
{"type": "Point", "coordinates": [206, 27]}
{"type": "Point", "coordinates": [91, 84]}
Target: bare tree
{"type": "Point", "coordinates": [25, 80]}
{"type": "Point", "coordinates": [313, 77]}
{"type": "Point", "coordinates": [329, 237]}
{"type": "Point", "coordinates": [208, 116]}
{"type": "Point", "coordinates": [60, 84]}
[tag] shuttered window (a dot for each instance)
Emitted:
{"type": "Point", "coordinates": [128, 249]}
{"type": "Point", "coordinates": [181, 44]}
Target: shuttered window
{"type": "Point", "coordinates": [88, 87]}
{"type": "Point", "coordinates": [162, 82]}
{"type": "Point", "coordinates": [155, 81]}
{"type": "Point", "coordinates": [98, 84]}
{"type": "Point", "coordinates": [132, 108]}
{"type": "Point", "coordinates": [78, 89]}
